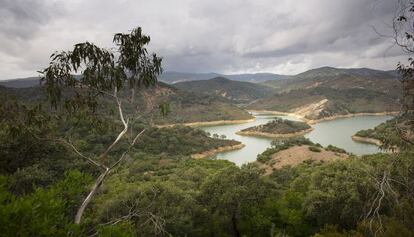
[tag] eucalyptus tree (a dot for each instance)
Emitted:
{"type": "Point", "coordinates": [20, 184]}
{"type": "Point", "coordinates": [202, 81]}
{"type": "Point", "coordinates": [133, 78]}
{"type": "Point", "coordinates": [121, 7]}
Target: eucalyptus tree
{"type": "Point", "coordinates": [403, 27]}
{"type": "Point", "coordinates": [79, 80]}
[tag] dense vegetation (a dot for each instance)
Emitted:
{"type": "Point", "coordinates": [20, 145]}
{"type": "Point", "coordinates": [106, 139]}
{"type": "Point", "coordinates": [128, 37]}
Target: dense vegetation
{"type": "Point", "coordinates": [338, 78]}
{"type": "Point", "coordinates": [54, 158]}
{"type": "Point", "coordinates": [157, 195]}
{"type": "Point", "coordinates": [379, 132]}
{"type": "Point", "coordinates": [160, 191]}
{"type": "Point", "coordinates": [179, 141]}
{"type": "Point", "coordinates": [279, 126]}
{"type": "Point", "coordinates": [233, 90]}
{"type": "Point", "coordinates": [185, 107]}
{"type": "Point", "coordinates": [339, 102]}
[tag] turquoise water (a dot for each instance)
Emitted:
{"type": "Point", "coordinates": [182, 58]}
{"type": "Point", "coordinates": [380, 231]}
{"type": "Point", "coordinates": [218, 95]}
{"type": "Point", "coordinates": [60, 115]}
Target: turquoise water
{"type": "Point", "coordinates": [336, 132]}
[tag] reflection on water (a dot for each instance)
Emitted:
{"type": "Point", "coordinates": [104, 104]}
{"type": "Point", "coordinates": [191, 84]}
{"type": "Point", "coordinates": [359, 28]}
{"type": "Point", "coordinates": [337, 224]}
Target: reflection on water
{"type": "Point", "coordinates": [336, 132]}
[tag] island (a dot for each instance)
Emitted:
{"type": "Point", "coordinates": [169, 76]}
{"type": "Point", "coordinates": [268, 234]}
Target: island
{"type": "Point", "coordinates": [278, 128]}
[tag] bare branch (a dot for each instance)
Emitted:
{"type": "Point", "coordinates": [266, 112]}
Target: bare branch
{"type": "Point", "coordinates": [82, 155]}
{"type": "Point", "coordinates": [100, 180]}
{"type": "Point", "coordinates": [123, 132]}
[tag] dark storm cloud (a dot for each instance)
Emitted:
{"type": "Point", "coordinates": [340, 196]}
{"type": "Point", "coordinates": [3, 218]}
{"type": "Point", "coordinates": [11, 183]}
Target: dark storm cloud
{"type": "Point", "coordinates": [227, 36]}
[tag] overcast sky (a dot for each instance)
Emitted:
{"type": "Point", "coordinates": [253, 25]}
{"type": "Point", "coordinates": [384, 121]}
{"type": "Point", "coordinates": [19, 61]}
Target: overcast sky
{"type": "Point", "coordinates": [225, 36]}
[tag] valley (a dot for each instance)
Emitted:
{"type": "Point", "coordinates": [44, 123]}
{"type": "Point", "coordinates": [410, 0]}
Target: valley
{"type": "Point", "coordinates": [335, 132]}
{"type": "Point", "coordinates": [217, 131]}
{"type": "Point", "coordinates": [208, 119]}
{"type": "Point", "coordinates": [220, 106]}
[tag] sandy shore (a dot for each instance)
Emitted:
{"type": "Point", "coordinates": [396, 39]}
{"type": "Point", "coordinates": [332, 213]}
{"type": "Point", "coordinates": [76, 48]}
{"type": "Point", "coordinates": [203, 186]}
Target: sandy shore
{"type": "Point", "coordinates": [210, 123]}
{"type": "Point", "coordinates": [366, 140]}
{"type": "Point", "coordinates": [273, 135]}
{"type": "Point", "coordinates": [314, 121]}
{"type": "Point", "coordinates": [272, 112]}
{"type": "Point", "coordinates": [349, 116]}
{"type": "Point", "coordinates": [212, 152]}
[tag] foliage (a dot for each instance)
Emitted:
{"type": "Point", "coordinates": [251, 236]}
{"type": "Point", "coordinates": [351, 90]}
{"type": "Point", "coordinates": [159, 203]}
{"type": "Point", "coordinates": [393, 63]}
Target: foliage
{"type": "Point", "coordinates": [179, 140]}
{"type": "Point", "coordinates": [315, 149]}
{"type": "Point", "coordinates": [335, 149]}
{"type": "Point", "coordinates": [340, 101]}
{"type": "Point", "coordinates": [101, 70]}
{"type": "Point", "coordinates": [279, 126]}
{"type": "Point", "coordinates": [236, 91]}
{"type": "Point", "coordinates": [391, 133]}
{"type": "Point", "coordinates": [384, 129]}
{"type": "Point", "coordinates": [45, 212]}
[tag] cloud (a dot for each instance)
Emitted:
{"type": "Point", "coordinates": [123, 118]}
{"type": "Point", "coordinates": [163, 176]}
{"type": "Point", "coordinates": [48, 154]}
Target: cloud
{"type": "Point", "coordinates": [227, 36]}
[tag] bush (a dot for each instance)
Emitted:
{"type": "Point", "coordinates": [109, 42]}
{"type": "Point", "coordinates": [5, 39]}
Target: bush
{"type": "Point", "coordinates": [335, 149]}
{"type": "Point", "coordinates": [315, 149]}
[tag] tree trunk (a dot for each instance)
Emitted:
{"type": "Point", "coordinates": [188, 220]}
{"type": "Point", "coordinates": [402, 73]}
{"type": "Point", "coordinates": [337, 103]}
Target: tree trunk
{"type": "Point", "coordinates": [88, 199]}
{"type": "Point", "coordinates": [236, 232]}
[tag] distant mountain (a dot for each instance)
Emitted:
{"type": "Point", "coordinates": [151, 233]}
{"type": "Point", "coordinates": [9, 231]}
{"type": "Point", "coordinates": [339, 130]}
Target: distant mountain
{"type": "Point", "coordinates": [175, 77]}
{"type": "Point", "coordinates": [327, 92]}
{"type": "Point", "coordinates": [21, 82]}
{"type": "Point", "coordinates": [338, 78]}
{"type": "Point", "coordinates": [233, 90]}
{"type": "Point", "coordinates": [167, 77]}
{"type": "Point", "coordinates": [189, 107]}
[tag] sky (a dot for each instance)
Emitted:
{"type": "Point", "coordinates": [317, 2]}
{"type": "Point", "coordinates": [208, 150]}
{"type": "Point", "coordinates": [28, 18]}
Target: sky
{"type": "Point", "coordinates": [223, 36]}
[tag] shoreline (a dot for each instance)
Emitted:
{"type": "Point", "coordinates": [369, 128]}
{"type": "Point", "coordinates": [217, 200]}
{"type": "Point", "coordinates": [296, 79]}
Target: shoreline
{"type": "Point", "coordinates": [213, 152]}
{"type": "Point", "coordinates": [274, 135]}
{"type": "Point", "coordinates": [315, 121]}
{"type": "Point", "coordinates": [366, 140]}
{"type": "Point", "coordinates": [208, 123]}
{"type": "Point", "coordinates": [274, 112]}
{"type": "Point", "coordinates": [259, 112]}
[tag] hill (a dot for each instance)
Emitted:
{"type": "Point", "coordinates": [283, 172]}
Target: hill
{"type": "Point", "coordinates": [338, 78]}
{"type": "Point", "coordinates": [232, 90]}
{"type": "Point", "coordinates": [21, 82]}
{"type": "Point", "coordinates": [169, 77]}
{"type": "Point", "coordinates": [175, 77]}
{"type": "Point", "coordinates": [186, 107]}
{"type": "Point", "coordinates": [328, 92]}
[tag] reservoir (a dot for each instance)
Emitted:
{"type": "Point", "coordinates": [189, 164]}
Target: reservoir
{"type": "Point", "coordinates": [334, 132]}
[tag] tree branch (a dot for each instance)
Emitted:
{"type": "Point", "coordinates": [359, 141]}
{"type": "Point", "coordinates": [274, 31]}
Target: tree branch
{"type": "Point", "coordinates": [82, 155]}
{"type": "Point", "coordinates": [100, 180]}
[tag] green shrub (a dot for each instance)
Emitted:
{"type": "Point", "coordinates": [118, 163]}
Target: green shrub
{"type": "Point", "coordinates": [315, 149]}
{"type": "Point", "coordinates": [335, 149]}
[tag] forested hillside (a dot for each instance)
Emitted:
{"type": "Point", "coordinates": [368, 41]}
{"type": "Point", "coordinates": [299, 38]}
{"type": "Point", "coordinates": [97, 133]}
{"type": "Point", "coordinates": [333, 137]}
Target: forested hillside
{"type": "Point", "coordinates": [329, 92]}
{"type": "Point", "coordinates": [338, 78]}
{"type": "Point", "coordinates": [322, 102]}
{"type": "Point", "coordinates": [233, 90]}
{"type": "Point", "coordinates": [185, 107]}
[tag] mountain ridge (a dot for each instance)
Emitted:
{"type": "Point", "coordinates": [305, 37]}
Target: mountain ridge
{"type": "Point", "coordinates": [237, 91]}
